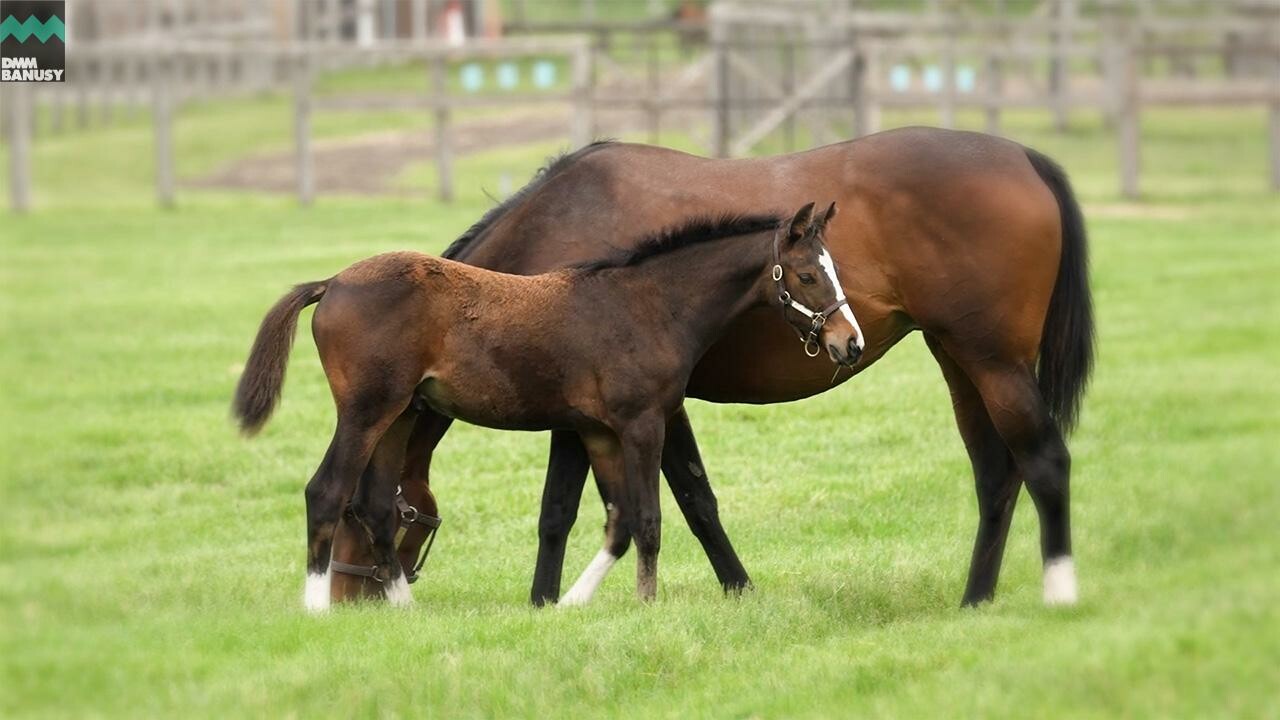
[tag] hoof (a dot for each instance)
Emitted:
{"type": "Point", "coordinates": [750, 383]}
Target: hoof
{"type": "Point", "coordinates": [1060, 582]}
{"type": "Point", "coordinates": [316, 593]}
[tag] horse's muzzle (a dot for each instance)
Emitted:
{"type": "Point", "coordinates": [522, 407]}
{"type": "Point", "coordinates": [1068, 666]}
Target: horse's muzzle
{"type": "Point", "coordinates": [851, 355]}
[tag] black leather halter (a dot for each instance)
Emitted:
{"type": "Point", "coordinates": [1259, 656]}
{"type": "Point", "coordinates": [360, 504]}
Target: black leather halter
{"type": "Point", "coordinates": [816, 318]}
{"type": "Point", "coordinates": [409, 515]}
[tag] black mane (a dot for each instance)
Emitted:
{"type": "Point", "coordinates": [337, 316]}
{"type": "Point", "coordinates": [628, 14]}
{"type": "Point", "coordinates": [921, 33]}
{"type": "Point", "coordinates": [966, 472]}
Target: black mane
{"type": "Point", "coordinates": [548, 170]}
{"type": "Point", "coordinates": [692, 232]}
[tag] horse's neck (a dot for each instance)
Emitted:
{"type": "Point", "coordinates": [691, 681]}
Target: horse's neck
{"type": "Point", "coordinates": [707, 285]}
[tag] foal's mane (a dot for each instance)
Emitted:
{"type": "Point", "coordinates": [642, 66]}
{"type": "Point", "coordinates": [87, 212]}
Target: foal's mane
{"type": "Point", "coordinates": [553, 165]}
{"type": "Point", "coordinates": [694, 231]}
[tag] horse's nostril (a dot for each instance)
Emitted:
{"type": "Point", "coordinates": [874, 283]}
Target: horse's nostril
{"type": "Point", "coordinates": [855, 352]}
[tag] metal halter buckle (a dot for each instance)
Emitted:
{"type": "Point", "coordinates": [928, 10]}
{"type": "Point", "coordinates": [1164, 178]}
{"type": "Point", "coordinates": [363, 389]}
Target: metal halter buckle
{"type": "Point", "coordinates": [777, 272]}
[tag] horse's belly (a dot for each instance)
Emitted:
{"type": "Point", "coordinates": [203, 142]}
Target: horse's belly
{"type": "Point", "coordinates": [492, 406]}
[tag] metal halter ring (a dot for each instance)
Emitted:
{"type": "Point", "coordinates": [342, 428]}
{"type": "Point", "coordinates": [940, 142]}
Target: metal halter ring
{"type": "Point", "coordinates": [777, 272]}
{"type": "Point", "coordinates": [817, 346]}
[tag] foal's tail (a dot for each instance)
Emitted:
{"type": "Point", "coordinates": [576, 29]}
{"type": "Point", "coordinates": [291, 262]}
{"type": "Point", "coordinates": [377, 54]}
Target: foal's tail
{"type": "Point", "coordinates": [263, 376]}
{"type": "Point", "coordinates": [1067, 341]}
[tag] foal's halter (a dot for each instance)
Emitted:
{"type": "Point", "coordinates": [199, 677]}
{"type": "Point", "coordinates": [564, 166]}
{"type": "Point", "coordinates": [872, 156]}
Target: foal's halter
{"type": "Point", "coordinates": [409, 515]}
{"type": "Point", "coordinates": [816, 318]}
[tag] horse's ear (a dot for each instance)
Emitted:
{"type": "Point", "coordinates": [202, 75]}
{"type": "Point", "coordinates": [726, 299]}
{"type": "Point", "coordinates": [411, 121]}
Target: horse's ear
{"type": "Point", "coordinates": [800, 223]}
{"type": "Point", "coordinates": [829, 214]}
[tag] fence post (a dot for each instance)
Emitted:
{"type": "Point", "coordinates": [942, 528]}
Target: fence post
{"type": "Point", "coordinates": [995, 92]}
{"type": "Point", "coordinates": [18, 125]}
{"type": "Point", "coordinates": [583, 125]}
{"type": "Point", "coordinates": [419, 20]}
{"type": "Point", "coordinates": [1124, 98]}
{"type": "Point", "coordinates": [304, 169]}
{"type": "Point", "coordinates": [444, 134]}
{"type": "Point", "coordinates": [947, 108]}
{"type": "Point", "coordinates": [1275, 127]}
{"type": "Point", "coordinates": [162, 130]}
{"type": "Point", "coordinates": [653, 112]}
{"type": "Point", "coordinates": [719, 87]}
{"type": "Point", "coordinates": [1060, 65]}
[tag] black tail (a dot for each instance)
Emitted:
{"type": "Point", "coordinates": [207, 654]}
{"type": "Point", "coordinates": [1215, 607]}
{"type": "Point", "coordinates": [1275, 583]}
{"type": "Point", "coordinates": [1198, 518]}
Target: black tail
{"type": "Point", "coordinates": [263, 376]}
{"type": "Point", "coordinates": [1067, 342]}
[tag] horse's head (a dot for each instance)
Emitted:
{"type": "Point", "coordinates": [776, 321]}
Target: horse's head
{"type": "Point", "coordinates": [354, 574]}
{"type": "Point", "coordinates": [809, 291]}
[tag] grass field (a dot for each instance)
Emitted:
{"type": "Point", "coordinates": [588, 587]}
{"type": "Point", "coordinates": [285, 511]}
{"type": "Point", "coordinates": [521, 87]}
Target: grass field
{"type": "Point", "coordinates": [151, 560]}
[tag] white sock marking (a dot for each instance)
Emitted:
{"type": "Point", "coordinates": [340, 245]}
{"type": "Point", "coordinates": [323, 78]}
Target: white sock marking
{"type": "Point", "coordinates": [315, 596]}
{"type": "Point", "coordinates": [830, 266]}
{"type": "Point", "coordinates": [583, 590]}
{"type": "Point", "coordinates": [397, 592]}
{"type": "Point", "coordinates": [1060, 581]}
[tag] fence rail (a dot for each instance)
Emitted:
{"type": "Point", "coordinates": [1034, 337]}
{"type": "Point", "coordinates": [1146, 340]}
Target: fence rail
{"type": "Point", "coordinates": [747, 73]}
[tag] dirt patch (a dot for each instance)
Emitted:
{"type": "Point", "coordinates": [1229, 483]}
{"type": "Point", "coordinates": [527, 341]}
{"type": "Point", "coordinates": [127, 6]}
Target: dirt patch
{"type": "Point", "coordinates": [1138, 211]}
{"type": "Point", "coordinates": [370, 164]}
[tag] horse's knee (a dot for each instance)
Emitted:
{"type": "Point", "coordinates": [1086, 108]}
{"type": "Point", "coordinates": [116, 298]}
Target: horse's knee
{"type": "Point", "coordinates": [1047, 469]}
{"type": "Point", "coordinates": [323, 497]}
{"type": "Point", "coordinates": [555, 523]}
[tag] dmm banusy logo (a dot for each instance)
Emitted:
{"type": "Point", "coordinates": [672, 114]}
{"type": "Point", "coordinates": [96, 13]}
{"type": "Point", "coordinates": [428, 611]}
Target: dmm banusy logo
{"type": "Point", "coordinates": [33, 40]}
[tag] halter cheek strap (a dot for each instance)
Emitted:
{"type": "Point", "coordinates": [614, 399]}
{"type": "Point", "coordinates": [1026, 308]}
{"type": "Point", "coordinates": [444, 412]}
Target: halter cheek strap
{"type": "Point", "coordinates": [812, 345]}
{"type": "Point", "coordinates": [409, 515]}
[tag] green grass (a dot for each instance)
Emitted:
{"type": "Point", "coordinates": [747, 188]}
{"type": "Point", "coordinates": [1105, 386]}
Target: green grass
{"type": "Point", "coordinates": [151, 560]}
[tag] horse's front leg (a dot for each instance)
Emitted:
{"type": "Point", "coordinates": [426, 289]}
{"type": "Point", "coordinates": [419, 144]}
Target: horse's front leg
{"type": "Point", "coordinates": [642, 511]}
{"type": "Point", "coordinates": [326, 493]}
{"type": "Point", "coordinates": [566, 475]}
{"type": "Point", "coordinates": [374, 507]}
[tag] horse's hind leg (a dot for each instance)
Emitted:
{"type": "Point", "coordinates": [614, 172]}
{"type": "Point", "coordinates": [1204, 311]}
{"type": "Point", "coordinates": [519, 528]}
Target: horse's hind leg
{"type": "Point", "coordinates": [353, 443]}
{"type": "Point", "coordinates": [995, 478]}
{"type": "Point", "coordinates": [566, 475]}
{"type": "Point", "coordinates": [1018, 413]}
{"type": "Point", "coordinates": [374, 508]}
{"type": "Point", "coordinates": [687, 476]}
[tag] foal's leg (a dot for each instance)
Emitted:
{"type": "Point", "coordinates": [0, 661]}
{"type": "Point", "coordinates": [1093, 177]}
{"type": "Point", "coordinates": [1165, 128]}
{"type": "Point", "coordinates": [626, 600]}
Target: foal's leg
{"type": "Point", "coordinates": [374, 507]}
{"type": "Point", "coordinates": [995, 478]}
{"type": "Point", "coordinates": [642, 512]}
{"type": "Point", "coordinates": [605, 455]}
{"type": "Point", "coordinates": [1017, 410]}
{"type": "Point", "coordinates": [566, 475]}
{"type": "Point", "coordinates": [358, 432]}
{"type": "Point", "coordinates": [687, 476]}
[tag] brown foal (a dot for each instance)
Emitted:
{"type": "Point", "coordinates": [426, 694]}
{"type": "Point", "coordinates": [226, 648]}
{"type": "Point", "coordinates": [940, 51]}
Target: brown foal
{"type": "Point", "coordinates": [605, 349]}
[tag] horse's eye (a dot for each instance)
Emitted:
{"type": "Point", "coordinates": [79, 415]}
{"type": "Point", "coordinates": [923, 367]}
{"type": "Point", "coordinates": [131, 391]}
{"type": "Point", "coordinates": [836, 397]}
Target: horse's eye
{"type": "Point", "coordinates": [807, 279]}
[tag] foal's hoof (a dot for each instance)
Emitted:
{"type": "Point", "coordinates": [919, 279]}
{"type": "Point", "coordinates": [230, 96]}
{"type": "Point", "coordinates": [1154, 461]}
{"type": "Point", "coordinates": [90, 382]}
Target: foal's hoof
{"type": "Point", "coordinates": [316, 593]}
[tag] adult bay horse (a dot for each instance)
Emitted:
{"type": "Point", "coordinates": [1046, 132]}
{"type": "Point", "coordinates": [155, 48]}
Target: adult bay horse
{"type": "Point", "coordinates": [975, 241]}
{"type": "Point", "coordinates": [604, 350]}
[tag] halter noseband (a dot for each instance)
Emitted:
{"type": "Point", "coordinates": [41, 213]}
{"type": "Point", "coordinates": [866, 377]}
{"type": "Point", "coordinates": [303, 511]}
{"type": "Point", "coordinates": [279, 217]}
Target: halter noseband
{"type": "Point", "coordinates": [409, 515]}
{"type": "Point", "coordinates": [817, 319]}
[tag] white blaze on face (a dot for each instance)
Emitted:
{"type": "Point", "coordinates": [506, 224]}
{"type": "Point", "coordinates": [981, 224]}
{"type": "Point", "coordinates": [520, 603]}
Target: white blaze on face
{"type": "Point", "coordinates": [829, 266]}
{"type": "Point", "coordinates": [1060, 581]}
{"type": "Point", "coordinates": [315, 596]}
{"type": "Point", "coordinates": [583, 590]}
